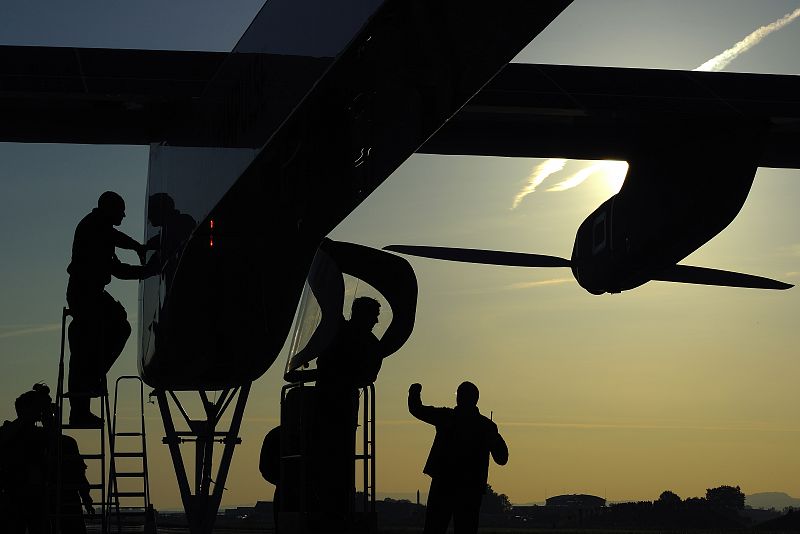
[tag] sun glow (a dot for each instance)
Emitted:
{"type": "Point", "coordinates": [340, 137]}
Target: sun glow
{"type": "Point", "coordinates": [611, 172]}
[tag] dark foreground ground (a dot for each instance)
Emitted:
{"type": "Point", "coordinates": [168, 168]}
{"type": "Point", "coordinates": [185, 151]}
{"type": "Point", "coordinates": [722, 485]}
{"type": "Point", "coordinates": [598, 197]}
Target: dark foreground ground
{"type": "Point", "coordinates": [232, 530]}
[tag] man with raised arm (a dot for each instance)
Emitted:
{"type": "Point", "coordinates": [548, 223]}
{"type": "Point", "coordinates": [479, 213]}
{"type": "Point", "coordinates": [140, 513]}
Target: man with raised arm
{"type": "Point", "coordinates": [458, 463]}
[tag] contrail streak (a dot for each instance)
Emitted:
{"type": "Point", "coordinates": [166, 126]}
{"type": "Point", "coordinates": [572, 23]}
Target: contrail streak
{"type": "Point", "coordinates": [27, 330]}
{"type": "Point", "coordinates": [538, 175]}
{"type": "Point", "coordinates": [540, 283]}
{"type": "Point", "coordinates": [720, 61]}
{"type": "Point", "coordinates": [576, 179]}
{"type": "Point", "coordinates": [614, 171]}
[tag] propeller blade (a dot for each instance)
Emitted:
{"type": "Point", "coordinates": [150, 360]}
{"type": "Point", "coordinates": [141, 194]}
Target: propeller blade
{"type": "Point", "coordinates": [471, 255]}
{"type": "Point", "coordinates": [689, 274]}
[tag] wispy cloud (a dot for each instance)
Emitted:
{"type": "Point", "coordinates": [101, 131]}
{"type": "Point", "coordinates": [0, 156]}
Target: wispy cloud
{"type": "Point", "coordinates": [613, 171]}
{"type": "Point", "coordinates": [25, 330]}
{"type": "Point", "coordinates": [720, 61]}
{"type": "Point", "coordinates": [575, 180]}
{"type": "Point", "coordinates": [538, 175]}
{"type": "Point", "coordinates": [540, 283]}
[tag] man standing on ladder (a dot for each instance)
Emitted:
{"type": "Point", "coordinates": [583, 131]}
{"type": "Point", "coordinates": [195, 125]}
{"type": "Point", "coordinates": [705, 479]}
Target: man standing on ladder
{"type": "Point", "coordinates": [351, 363]}
{"type": "Point", "coordinates": [99, 328]}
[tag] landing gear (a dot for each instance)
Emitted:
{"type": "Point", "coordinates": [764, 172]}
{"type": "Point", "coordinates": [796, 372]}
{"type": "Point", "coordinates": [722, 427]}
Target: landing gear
{"type": "Point", "coordinates": [202, 501]}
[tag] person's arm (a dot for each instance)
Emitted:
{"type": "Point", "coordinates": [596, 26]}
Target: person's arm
{"type": "Point", "coordinates": [123, 240]}
{"type": "Point", "coordinates": [499, 449]}
{"type": "Point", "coordinates": [75, 470]}
{"type": "Point", "coordinates": [427, 414]}
{"type": "Point", "coordinates": [86, 496]}
{"type": "Point", "coordinates": [125, 271]}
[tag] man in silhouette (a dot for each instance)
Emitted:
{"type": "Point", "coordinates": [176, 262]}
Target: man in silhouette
{"type": "Point", "coordinates": [458, 463]}
{"type": "Point", "coordinates": [352, 362]}
{"type": "Point", "coordinates": [99, 329]}
{"type": "Point", "coordinates": [75, 490]}
{"type": "Point", "coordinates": [23, 452]}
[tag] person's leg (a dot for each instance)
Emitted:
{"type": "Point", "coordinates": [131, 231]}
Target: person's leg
{"type": "Point", "coordinates": [439, 508]}
{"type": "Point", "coordinates": [116, 331]}
{"type": "Point", "coordinates": [85, 339]}
{"type": "Point", "coordinates": [466, 511]}
{"type": "Point", "coordinates": [335, 456]}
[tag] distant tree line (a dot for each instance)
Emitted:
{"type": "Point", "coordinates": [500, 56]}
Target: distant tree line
{"type": "Point", "coordinates": [719, 509]}
{"type": "Point", "coordinates": [722, 508]}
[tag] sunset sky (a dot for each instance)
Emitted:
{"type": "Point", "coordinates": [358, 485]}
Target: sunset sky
{"type": "Point", "coordinates": [665, 387]}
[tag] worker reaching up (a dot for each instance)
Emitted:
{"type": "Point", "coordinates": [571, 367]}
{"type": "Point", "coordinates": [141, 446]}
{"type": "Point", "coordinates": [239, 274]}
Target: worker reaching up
{"type": "Point", "coordinates": [99, 328]}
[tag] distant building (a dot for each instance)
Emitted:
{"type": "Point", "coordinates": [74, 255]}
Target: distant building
{"type": "Point", "coordinates": [576, 501]}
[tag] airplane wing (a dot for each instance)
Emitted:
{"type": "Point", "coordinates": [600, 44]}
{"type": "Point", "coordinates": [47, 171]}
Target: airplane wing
{"type": "Point", "coordinates": [579, 112]}
{"type": "Point", "coordinates": [79, 95]}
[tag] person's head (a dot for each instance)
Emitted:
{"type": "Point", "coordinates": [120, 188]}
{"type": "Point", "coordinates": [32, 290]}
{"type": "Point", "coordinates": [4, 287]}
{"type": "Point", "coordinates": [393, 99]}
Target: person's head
{"type": "Point", "coordinates": [32, 405]}
{"type": "Point", "coordinates": [467, 395]}
{"type": "Point", "coordinates": [365, 312]}
{"type": "Point", "coordinates": [112, 207]}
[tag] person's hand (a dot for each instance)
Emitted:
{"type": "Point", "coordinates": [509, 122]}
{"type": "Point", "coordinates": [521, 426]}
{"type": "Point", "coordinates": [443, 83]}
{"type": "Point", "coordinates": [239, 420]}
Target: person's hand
{"type": "Point", "coordinates": [415, 389]}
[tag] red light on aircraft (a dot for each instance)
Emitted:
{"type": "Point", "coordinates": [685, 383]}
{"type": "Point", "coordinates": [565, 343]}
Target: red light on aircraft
{"type": "Point", "coordinates": [211, 224]}
{"type": "Point", "coordinates": [211, 242]}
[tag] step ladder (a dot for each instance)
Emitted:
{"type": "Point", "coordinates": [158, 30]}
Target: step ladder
{"type": "Point", "coordinates": [128, 444]}
{"type": "Point", "coordinates": [96, 458]}
{"type": "Point", "coordinates": [296, 513]}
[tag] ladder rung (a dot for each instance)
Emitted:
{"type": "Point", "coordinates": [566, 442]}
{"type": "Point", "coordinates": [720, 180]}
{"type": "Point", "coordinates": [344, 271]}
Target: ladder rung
{"type": "Point", "coordinates": [95, 486]}
{"type": "Point", "coordinates": [128, 434]}
{"type": "Point", "coordinates": [127, 494]}
{"type": "Point", "coordinates": [128, 454]}
{"type": "Point", "coordinates": [130, 474]}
